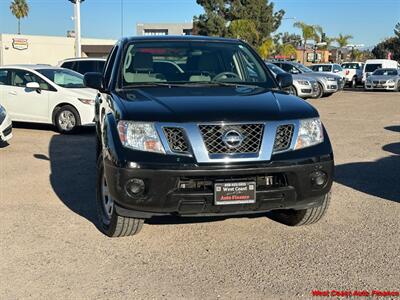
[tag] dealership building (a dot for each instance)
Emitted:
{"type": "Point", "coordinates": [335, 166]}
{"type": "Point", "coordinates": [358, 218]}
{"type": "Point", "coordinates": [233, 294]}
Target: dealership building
{"type": "Point", "coordinates": [164, 29]}
{"type": "Point", "coordinates": [35, 49]}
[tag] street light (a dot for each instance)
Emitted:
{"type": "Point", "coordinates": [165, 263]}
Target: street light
{"type": "Point", "coordinates": [77, 18]}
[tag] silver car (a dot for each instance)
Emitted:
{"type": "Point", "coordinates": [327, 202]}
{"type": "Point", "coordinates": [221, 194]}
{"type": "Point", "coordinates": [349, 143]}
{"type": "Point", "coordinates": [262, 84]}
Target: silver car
{"type": "Point", "coordinates": [303, 86]}
{"type": "Point", "coordinates": [328, 83]}
{"type": "Point", "coordinates": [384, 79]}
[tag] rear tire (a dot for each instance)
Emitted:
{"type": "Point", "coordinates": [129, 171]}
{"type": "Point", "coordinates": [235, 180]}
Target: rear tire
{"type": "Point", "coordinates": [301, 217]}
{"type": "Point", "coordinates": [66, 119]}
{"type": "Point", "coordinates": [110, 223]}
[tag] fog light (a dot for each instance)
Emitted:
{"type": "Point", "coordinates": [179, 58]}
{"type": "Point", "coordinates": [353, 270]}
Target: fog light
{"type": "Point", "coordinates": [318, 178]}
{"type": "Point", "coordinates": [135, 187]}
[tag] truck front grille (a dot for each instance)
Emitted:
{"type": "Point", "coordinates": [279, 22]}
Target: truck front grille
{"type": "Point", "coordinates": [250, 135]}
{"type": "Point", "coordinates": [176, 139]}
{"type": "Point", "coordinates": [283, 137]}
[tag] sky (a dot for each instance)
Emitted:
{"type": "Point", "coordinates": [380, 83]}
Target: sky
{"type": "Point", "coordinates": [369, 21]}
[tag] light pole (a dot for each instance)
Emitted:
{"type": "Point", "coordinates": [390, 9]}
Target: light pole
{"type": "Point", "coordinates": [77, 18]}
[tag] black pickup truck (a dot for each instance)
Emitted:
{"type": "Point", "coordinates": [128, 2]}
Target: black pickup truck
{"type": "Point", "coordinates": [199, 126]}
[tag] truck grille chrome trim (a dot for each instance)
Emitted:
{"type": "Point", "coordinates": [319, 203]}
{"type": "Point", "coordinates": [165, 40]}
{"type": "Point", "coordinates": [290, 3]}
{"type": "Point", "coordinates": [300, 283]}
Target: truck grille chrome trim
{"type": "Point", "coordinates": [206, 141]}
{"type": "Point", "coordinates": [283, 137]}
{"type": "Point", "coordinates": [176, 139]}
{"type": "Point", "coordinates": [247, 137]}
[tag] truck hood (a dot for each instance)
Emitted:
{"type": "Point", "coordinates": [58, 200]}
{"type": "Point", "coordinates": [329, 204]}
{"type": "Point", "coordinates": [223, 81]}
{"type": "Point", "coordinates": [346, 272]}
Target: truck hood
{"type": "Point", "coordinates": [211, 104]}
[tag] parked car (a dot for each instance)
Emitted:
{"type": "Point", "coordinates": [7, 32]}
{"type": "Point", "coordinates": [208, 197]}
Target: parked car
{"type": "Point", "coordinates": [384, 79]}
{"type": "Point", "coordinates": [304, 87]}
{"type": "Point", "coordinates": [328, 68]}
{"type": "Point", "coordinates": [328, 83]}
{"type": "Point", "coordinates": [220, 138]}
{"type": "Point", "coordinates": [372, 64]}
{"type": "Point", "coordinates": [353, 73]}
{"type": "Point", "coordinates": [43, 94]}
{"type": "Point", "coordinates": [5, 125]}
{"type": "Point", "coordinates": [83, 65]}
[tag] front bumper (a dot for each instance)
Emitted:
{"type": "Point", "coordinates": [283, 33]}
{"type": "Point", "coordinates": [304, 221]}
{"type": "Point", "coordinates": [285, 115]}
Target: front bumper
{"type": "Point", "coordinates": [387, 87]}
{"type": "Point", "coordinates": [306, 91]}
{"type": "Point", "coordinates": [166, 194]}
{"type": "Point", "coordinates": [330, 87]}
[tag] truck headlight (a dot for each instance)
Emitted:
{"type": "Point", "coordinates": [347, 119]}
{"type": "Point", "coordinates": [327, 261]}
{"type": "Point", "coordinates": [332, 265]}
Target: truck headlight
{"type": "Point", "coordinates": [140, 136]}
{"type": "Point", "coordinates": [303, 82]}
{"type": "Point", "coordinates": [310, 133]}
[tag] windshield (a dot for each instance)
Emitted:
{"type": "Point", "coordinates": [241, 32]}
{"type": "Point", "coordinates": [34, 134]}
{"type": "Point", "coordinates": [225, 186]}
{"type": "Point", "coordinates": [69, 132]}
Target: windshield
{"type": "Point", "coordinates": [303, 68]}
{"type": "Point", "coordinates": [372, 67]}
{"type": "Point", "coordinates": [63, 77]}
{"type": "Point", "coordinates": [352, 66]}
{"type": "Point", "coordinates": [275, 69]}
{"type": "Point", "coordinates": [192, 63]}
{"type": "Point", "coordinates": [385, 72]}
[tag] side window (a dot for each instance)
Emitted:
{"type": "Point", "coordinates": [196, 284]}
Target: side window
{"type": "Point", "coordinates": [337, 68]}
{"type": "Point", "coordinates": [20, 78]}
{"type": "Point", "coordinates": [85, 66]}
{"type": "Point", "coordinates": [100, 66]}
{"type": "Point", "coordinates": [4, 77]}
{"type": "Point", "coordinates": [68, 65]}
{"type": "Point", "coordinates": [109, 65]}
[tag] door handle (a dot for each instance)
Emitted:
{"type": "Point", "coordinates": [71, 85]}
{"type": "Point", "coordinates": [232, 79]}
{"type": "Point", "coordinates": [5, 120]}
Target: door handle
{"type": "Point", "coordinates": [13, 93]}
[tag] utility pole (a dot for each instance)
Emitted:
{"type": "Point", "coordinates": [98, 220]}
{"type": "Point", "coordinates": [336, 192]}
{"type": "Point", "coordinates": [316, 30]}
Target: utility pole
{"type": "Point", "coordinates": [77, 19]}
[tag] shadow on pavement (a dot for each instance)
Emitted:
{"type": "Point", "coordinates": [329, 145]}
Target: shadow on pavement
{"type": "Point", "coordinates": [380, 178]}
{"type": "Point", "coordinates": [395, 128]}
{"type": "Point", "coordinates": [34, 126]}
{"type": "Point", "coordinates": [72, 162]}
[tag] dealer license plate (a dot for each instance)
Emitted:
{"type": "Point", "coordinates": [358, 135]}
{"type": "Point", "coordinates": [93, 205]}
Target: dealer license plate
{"type": "Point", "coordinates": [234, 193]}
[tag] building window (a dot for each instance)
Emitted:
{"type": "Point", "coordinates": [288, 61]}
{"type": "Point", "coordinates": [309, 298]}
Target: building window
{"type": "Point", "coordinates": [155, 32]}
{"type": "Point", "coordinates": [187, 31]}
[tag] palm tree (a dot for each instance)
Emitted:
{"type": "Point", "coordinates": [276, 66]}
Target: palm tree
{"type": "Point", "coordinates": [343, 41]}
{"type": "Point", "coordinates": [20, 9]}
{"type": "Point", "coordinates": [308, 33]}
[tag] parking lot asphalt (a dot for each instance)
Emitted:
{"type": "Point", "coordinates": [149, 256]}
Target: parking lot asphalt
{"type": "Point", "coordinates": [51, 249]}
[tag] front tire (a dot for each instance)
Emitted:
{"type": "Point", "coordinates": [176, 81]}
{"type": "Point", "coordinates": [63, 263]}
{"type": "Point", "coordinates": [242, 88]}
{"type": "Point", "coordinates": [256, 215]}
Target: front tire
{"type": "Point", "coordinates": [66, 119]}
{"type": "Point", "coordinates": [110, 223]}
{"type": "Point", "coordinates": [301, 217]}
{"type": "Point", "coordinates": [354, 82]}
{"type": "Point", "coordinates": [292, 90]}
{"type": "Point", "coordinates": [320, 91]}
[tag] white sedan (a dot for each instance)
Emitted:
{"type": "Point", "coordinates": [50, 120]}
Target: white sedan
{"type": "Point", "coordinates": [5, 125]}
{"type": "Point", "coordinates": [45, 94]}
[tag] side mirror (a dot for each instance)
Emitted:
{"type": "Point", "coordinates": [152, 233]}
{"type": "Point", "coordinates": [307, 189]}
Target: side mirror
{"type": "Point", "coordinates": [93, 80]}
{"type": "Point", "coordinates": [285, 80]}
{"type": "Point", "coordinates": [33, 86]}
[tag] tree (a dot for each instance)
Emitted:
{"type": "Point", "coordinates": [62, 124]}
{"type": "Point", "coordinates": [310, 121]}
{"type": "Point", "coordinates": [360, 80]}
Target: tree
{"type": "Point", "coordinates": [391, 45]}
{"type": "Point", "coordinates": [287, 50]}
{"type": "Point", "coordinates": [266, 49]}
{"type": "Point", "coordinates": [308, 33]}
{"type": "Point", "coordinates": [20, 9]}
{"type": "Point", "coordinates": [291, 38]}
{"type": "Point", "coordinates": [220, 14]}
{"type": "Point", "coordinates": [343, 40]}
{"type": "Point", "coordinates": [245, 30]}
{"type": "Point", "coordinates": [397, 30]}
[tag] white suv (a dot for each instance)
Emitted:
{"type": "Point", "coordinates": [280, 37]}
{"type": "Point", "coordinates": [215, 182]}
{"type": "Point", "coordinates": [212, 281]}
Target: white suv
{"type": "Point", "coordinates": [44, 94]}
